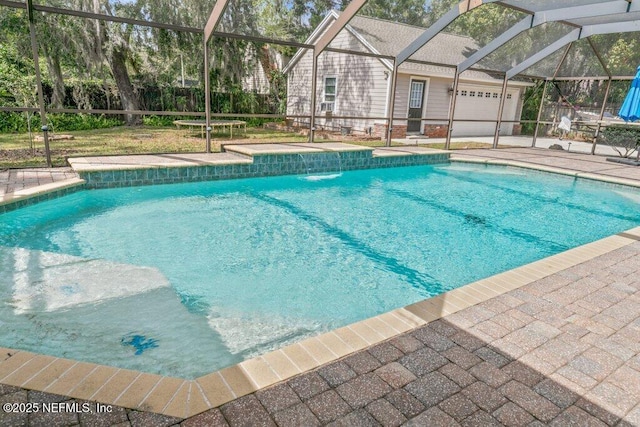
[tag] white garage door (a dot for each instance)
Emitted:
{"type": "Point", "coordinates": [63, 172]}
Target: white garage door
{"type": "Point", "coordinates": [482, 103]}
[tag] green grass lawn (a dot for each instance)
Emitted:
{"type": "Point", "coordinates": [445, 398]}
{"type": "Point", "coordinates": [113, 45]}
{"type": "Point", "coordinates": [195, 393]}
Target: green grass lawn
{"type": "Point", "coordinates": [20, 150]}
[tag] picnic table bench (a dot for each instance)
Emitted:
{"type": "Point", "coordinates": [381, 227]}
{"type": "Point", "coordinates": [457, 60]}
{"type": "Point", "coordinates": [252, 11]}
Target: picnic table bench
{"type": "Point", "coordinates": [214, 124]}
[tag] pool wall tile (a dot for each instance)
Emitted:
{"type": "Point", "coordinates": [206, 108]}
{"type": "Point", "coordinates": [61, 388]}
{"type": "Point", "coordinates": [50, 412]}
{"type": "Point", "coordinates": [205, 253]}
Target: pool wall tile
{"type": "Point", "coordinates": [272, 164]}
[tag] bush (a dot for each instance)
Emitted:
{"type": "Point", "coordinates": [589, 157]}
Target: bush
{"type": "Point", "coordinates": [70, 121]}
{"type": "Point", "coordinates": [11, 122]}
{"type": "Point", "coordinates": [624, 139]}
{"type": "Point", "coordinates": [159, 121]}
{"type": "Point", "coordinates": [17, 122]}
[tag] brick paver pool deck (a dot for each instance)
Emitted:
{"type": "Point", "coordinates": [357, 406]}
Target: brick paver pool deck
{"type": "Point", "coordinates": [563, 350]}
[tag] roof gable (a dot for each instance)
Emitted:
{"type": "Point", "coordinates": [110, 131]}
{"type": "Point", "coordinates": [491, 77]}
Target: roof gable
{"type": "Point", "coordinates": [390, 38]}
{"type": "Point", "coordinates": [322, 27]}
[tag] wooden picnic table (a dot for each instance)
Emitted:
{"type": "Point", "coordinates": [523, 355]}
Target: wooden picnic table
{"type": "Point", "coordinates": [213, 123]}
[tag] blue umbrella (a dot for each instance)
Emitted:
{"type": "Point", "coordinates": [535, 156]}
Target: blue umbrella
{"type": "Point", "coordinates": [630, 110]}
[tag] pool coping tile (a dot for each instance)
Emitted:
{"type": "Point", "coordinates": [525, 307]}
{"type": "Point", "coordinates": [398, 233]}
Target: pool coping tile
{"type": "Point", "coordinates": [115, 386]}
{"type": "Point", "coordinates": [215, 389]}
{"type": "Point", "coordinates": [40, 190]}
{"type": "Point", "coordinates": [14, 363]}
{"type": "Point", "coordinates": [134, 393]}
{"type": "Point", "coordinates": [259, 372]}
{"type": "Point", "coordinates": [93, 382]}
{"type": "Point", "coordinates": [161, 394]}
{"type": "Point", "coordinates": [49, 374]}
{"type": "Point", "coordinates": [69, 379]}
{"type": "Point", "coordinates": [30, 369]}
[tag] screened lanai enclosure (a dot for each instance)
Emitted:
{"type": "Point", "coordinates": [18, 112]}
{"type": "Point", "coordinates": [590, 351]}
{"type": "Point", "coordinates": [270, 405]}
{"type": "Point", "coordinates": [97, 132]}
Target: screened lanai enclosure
{"type": "Point", "coordinates": [385, 69]}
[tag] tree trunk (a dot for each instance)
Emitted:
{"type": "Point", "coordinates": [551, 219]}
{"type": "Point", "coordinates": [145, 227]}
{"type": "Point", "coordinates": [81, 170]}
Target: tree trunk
{"type": "Point", "coordinates": [128, 96]}
{"type": "Point", "coordinates": [55, 72]}
{"type": "Point", "coordinates": [268, 65]}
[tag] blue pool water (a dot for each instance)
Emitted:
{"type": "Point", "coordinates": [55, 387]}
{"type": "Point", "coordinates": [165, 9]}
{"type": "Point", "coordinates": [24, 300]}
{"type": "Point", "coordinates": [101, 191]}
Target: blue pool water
{"type": "Point", "coordinates": [186, 279]}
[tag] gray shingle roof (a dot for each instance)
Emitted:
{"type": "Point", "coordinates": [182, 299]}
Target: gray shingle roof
{"type": "Point", "coordinates": [389, 38]}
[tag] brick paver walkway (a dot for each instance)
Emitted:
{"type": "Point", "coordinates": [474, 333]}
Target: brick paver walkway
{"type": "Point", "coordinates": [562, 351]}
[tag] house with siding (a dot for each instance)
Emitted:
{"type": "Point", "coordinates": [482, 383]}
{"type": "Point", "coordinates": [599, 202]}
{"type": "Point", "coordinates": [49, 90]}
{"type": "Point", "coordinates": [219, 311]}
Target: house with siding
{"type": "Point", "coordinates": [359, 86]}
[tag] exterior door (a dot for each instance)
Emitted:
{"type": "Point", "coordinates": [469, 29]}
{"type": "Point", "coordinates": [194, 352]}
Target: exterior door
{"type": "Point", "coordinates": [416, 98]}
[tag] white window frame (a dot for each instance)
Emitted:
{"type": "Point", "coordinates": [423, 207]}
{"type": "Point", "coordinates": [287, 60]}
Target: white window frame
{"type": "Point", "coordinates": [329, 105]}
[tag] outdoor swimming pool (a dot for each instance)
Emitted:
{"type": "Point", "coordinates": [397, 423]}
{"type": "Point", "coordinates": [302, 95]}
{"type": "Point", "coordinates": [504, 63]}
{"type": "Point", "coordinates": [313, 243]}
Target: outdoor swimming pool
{"type": "Point", "coordinates": [186, 279]}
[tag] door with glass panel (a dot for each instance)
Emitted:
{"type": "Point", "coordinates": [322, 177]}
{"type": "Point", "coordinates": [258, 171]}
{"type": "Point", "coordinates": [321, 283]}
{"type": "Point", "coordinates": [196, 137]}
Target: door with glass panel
{"type": "Point", "coordinates": [416, 99]}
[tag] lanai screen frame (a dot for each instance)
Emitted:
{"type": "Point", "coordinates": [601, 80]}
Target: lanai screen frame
{"type": "Point", "coordinates": [610, 25]}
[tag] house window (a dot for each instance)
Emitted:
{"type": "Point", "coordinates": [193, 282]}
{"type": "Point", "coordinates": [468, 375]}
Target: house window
{"type": "Point", "coordinates": [330, 89]}
{"type": "Point", "coordinates": [479, 94]}
{"type": "Point", "coordinates": [495, 94]}
{"type": "Point", "coordinates": [464, 93]}
{"type": "Point", "coordinates": [329, 94]}
{"type": "Point", "coordinates": [472, 93]}
{"type": "Point", "coordinates": [508, 96]}
{"type": "Point", "coordinates": [487, 95]}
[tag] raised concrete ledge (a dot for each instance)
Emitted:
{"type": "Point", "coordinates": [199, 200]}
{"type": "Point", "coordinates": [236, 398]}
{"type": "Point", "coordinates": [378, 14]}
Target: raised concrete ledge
{"type": "Point", "coordinates": [246, 161]}
{"type": "Point", "coordinates": [406, 151]}
{"type": "Point", "coordinates": [298, 148]}
{"type": "Point", "coordinates": [147, 161]}
{"type": "Point", "coordinates": [39, 191]}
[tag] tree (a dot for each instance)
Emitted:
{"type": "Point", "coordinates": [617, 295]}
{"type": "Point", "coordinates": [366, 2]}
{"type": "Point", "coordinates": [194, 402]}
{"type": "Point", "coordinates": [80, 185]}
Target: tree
{"type": "Point", "coordinates": [411, 12]}
{"type": "Point", "coordinates": [17, 85]}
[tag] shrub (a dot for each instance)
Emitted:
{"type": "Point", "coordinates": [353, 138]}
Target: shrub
{"type": "Point", "coordinates": [159, 121]}
{"type": "Point", "coordinates": [70, 121]}
{"type": "Point", "coordinates": [624, 139]}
